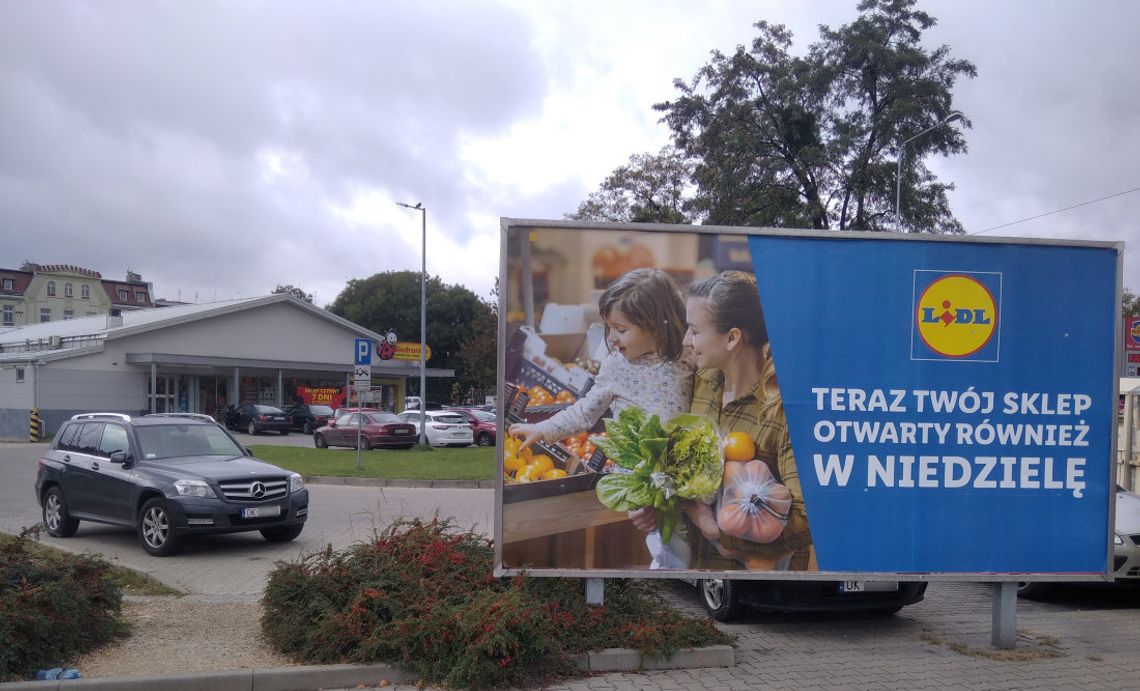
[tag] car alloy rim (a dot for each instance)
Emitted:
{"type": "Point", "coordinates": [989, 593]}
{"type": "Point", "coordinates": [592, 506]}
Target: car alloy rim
{"type": "Point", "coordinates": [52, 511]}
{"type": "Point", "coordinates": [713, 590]}
{"type": "Point", "coordinates": [155, 527]}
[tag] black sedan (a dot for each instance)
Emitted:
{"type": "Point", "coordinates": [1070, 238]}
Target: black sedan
{"type": "Point", "coordinates": [256, 418]}
{"type": "Point", "coordinates": [307, 417]}
{"type": "Point", "coordinates": [373, 429]}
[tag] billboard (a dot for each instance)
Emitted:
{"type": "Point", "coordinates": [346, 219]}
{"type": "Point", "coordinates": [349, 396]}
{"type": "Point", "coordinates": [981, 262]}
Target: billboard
{"type": "Point", "coordinates": [814, 405]}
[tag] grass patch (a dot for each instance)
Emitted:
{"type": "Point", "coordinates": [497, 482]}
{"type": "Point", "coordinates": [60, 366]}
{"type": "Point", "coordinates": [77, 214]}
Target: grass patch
{"type": "Point", "coordinates": [131, 582]}
{"type": "Point", "coordinates": [1034, 647]}
{"type": "Point", "coordinates": [467, 463]}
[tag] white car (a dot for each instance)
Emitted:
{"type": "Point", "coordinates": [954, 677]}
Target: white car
{"type": "Point", "coordinates": [1126, 547]}
{"type": "Point", "coordinates": [444, 428]}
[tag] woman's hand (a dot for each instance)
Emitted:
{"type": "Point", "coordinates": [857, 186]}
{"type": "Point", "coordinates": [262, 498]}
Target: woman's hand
{"type": "Point", "coordinates": [528, 432]}
{"type": "Point", "coordinates": [644, 519]}
{"type": "Point", "coordinates": [703, 518]}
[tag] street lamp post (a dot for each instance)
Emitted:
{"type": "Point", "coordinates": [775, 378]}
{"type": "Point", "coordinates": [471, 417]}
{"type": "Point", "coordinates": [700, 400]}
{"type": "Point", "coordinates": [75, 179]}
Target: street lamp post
{"type": "Point", "coordinates": [954, 115]}
{"type": "Point", "coordinates": [423, 318]}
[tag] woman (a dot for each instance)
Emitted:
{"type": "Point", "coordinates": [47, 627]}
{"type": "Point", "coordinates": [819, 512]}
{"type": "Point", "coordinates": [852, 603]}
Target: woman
{"type": "Point", "coordinates": [736, 387]}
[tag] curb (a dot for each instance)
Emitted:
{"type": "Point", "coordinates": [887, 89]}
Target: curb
{"type": "Point", "coordinates": [387, 482]}
{"type": "Point", "coordinates": [311, 677]}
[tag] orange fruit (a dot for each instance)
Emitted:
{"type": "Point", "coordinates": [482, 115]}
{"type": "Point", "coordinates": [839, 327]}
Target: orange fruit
{"type": "Point", "coordinates": [564, 396]}
{"type": "Point", "coordinates": [538, 395]}
{"type": "Point", "coordinates": [554, 474]}
{"type": "Point", "coordinates": [543, 462]}
{"type": "Point", "coordinates": [738, 446]}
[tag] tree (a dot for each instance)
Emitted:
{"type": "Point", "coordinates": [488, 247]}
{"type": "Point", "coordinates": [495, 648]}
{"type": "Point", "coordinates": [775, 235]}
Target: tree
{"type": "Point", "coordinates": [813, 141]}
{"type": "Point", "coordinates": [1130, 303]}
{"type": "Point", "coordinates": [294, 291]}
{"type": "Point", "coordinates": [479, 355]}
{"type": "Point", "coordinates": [390, 301]}
{"type": "Point", "coordinates": [649, 189]}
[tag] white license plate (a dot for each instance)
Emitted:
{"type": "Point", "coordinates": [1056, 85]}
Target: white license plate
{"type": "Point", "coordinates": [261, 511]}
{"type": "Point", "coordinates": [868, 586]}
{"type": "Point", "coordinates": [400, 431]}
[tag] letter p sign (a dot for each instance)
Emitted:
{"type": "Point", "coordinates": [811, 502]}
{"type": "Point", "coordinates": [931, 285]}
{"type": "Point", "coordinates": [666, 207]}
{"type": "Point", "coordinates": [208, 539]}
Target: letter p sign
{"type": "Point", "coordinates": [363, 352]}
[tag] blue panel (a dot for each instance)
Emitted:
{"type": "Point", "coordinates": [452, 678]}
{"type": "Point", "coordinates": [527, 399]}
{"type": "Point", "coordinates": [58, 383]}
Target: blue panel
{"type": "Point", "coordinates": [934, 483]}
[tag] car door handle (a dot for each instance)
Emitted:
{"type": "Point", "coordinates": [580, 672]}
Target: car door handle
{"type": "Point", "coordinates": [67, 459]}
{"type": "Point", "coordinates": [95, 465]}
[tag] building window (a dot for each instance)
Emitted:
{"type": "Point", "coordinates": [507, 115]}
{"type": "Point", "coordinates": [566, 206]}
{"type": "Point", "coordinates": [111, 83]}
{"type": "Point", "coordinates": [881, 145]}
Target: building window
{"type": "Point", "coordinates": [45, 314]}
{"type": "Point", "coordinates": [68, 314]}
{"type": "Point", "coordinates": [8, 320]}
{"type": "Point", "coordinates": [51, 288]}
{"type": "Point", "coordinates": [8, 284]}
{"type": "Point", "coordinates": [140, 296]}
{"type": "Point", "coordinates": [85, 291]}
{"type": "Point", "coordinates": [19, 375]}
{"type": "Point", "coordinates": [123, 295]}
{"type": "Point", "coordinates": [68, 292]}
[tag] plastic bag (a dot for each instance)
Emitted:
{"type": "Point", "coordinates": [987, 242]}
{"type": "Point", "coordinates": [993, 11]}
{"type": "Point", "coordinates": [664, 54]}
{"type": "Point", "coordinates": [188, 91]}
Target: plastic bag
{"type": "Point", "coordinates": [753, 506]}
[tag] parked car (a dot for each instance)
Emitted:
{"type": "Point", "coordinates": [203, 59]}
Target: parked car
{"type": "Point", "coordinates": [374, 429]}
{"type": "Point", "coordinates": [413, 403]}
{"type": "Point", "coordinates": [307, 417]}
{"type": "Point", "coordinates": [256, 418]}
{"type": "Point", "coordinates": [168, 478]}
{"type": "Point", "coordinates": [484, 426]}
{"type": "Point", "coordinates": [1126, 548]}
{"type": "Point", "coordinates": [444, 427]}
{"type": "Point", "coordinates": [726, 599]}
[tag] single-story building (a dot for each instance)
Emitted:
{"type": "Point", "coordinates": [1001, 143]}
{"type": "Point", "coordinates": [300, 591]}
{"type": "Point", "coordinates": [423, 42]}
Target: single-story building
{"type": "Point", "coordinates": [275, 349]}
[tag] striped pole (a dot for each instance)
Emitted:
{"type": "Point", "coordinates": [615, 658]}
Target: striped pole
{"type": "Point", "coordinates": [36, 427]}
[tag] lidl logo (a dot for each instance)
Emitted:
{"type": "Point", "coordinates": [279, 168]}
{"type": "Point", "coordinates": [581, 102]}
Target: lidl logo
{"type": "Point", "coordinates": [956, 316]}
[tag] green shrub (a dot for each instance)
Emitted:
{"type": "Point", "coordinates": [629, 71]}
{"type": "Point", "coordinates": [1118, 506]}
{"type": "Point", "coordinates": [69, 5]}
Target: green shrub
{"type": "Point", "coordinates": [422, 595]}
{"type": "Point", "coordinates": [52, 608]}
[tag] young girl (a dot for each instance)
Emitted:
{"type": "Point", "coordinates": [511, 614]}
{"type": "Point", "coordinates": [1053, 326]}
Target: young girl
{"type": "Point", "coordinates": [644, 319]}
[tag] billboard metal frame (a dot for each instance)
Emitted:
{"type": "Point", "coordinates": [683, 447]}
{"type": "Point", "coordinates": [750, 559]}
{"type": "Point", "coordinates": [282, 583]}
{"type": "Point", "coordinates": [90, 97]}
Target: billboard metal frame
{"type": "Point", "coordinates": [507, 224]}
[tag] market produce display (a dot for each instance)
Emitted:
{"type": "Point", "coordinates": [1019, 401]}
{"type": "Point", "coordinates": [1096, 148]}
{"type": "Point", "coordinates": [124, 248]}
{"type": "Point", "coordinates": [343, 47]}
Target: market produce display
{"type": "Point", "coordinates": [753, 505]}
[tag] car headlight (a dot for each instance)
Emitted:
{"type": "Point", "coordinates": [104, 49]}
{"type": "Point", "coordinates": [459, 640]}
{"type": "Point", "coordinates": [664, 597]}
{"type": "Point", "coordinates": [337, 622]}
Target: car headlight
{"type": "Point", "coordinates": [296, 483]}
{"type": "Point", "coordinates": [194, 488]}
{"type": "Point", "coordinates": [1117, 540]}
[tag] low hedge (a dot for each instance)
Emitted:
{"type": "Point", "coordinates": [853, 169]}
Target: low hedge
{"type": "Point", "coordinates": [53, 608]}
{"type": "Point", "coordinates": [422, 595]}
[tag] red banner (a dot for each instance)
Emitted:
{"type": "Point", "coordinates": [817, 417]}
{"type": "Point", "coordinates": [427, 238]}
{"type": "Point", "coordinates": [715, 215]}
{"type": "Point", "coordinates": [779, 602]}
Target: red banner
{"type": "Point", "coordinates": [332, 396]}
{"type": "Point", "coordinates": [1132, 334]}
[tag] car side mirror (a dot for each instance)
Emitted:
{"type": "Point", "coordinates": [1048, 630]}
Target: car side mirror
{"type": "Point", "coordinates": [332, 423]}
{"type": "Point", "coordinates": [248, 451]}
{"type": "Point", "coordinates": [119, 457]}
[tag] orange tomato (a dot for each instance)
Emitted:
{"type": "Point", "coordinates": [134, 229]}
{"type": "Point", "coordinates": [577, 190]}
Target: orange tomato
{"type": "Point", "coordinates": [538, 395]}
{"type": "Point", "coordinates": [738, 446]}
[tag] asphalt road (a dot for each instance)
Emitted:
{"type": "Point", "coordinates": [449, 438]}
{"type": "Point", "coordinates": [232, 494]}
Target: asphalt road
{"type": "Point", "coordinates": [235, 566]}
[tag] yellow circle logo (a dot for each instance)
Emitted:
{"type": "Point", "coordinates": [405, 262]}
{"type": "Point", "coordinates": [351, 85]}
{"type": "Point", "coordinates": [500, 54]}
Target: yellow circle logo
{"type": "Point", "coordinates": [956, 316]}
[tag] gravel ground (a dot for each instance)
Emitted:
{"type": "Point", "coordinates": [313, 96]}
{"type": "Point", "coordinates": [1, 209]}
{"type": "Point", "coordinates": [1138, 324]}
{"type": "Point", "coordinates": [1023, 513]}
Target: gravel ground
{"type": "Point", "coordinates": [178, 634]}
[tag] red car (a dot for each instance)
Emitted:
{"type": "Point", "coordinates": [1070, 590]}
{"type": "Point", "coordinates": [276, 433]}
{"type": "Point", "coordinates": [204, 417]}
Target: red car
{"type": "Point", "coordinates": [374, 429]}
{"type": "Point", "coordinates": [484, 426]}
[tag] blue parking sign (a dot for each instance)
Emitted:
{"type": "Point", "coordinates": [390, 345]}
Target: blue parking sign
{"type": "Point", "coordinates": [362, 352]}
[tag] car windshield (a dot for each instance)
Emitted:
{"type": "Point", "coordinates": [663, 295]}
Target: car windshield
{"type": "Point", "coordinates": [320, 410]}
{"type": "Point", "coordinates": [268, 409]}
{"type": "Point", "coordinates": [384, 418]}
{"type": "Point", "coordinates": [483, 416]}
{"type": "Point", "coordinates": [178, 441]}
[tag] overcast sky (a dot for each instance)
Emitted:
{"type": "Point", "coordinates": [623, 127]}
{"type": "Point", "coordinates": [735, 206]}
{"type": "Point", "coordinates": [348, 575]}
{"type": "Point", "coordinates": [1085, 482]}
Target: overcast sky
{"type": "Point", "coordinates": [222, 148]}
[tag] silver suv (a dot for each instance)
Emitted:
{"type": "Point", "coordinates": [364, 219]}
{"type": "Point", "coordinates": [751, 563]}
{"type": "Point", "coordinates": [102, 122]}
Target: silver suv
{"type": "Point", "coordinates": [168, 477]}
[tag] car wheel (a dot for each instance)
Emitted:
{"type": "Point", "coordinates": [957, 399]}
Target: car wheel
{"type": "Point", "coordinates": [320, 442]}
{"type": "Point", "coordinates": [156, 532]}
{"type": "Point", "coordinates": [719, 597]}
{"type": "Point", "coordinates": [285, 534]}
{"type": "Point", "coordinates": [485, 439]}
{"type": "Point", "coordinates": [366, 443]}
{"type": "Point", "coordinates": [307, 428]}
{"type": "Point", "coordinates": [58, 522]}
{"type": "Point", "coordinates": [252, 428]}
{"type": "Point", "coordinates": [1034, 591]}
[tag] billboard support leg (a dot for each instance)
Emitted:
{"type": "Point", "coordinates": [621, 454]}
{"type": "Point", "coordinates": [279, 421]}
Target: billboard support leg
{"type": "Point", "coordinates": [1004, 624]}
{"type": "Point", "coordinates": [595, 591]}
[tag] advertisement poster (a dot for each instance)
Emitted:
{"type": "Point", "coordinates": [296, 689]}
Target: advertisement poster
{"type": "Point", "coordinates": [816, 404]}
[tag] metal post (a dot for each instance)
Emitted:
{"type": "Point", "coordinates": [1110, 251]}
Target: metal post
{"type": "Point", "coordinates": [954, 115]}
{"type": "Point", "coordinates": [153, 387]}
{"type": "Point", "coordinates": [423, 330]}
{"type": "Point", "coordinates": [1004, 625]}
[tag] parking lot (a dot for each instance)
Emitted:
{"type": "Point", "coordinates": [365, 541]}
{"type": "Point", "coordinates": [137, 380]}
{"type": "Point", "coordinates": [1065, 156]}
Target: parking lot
{"type": "Point", "coordinates": [1084, 638]}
